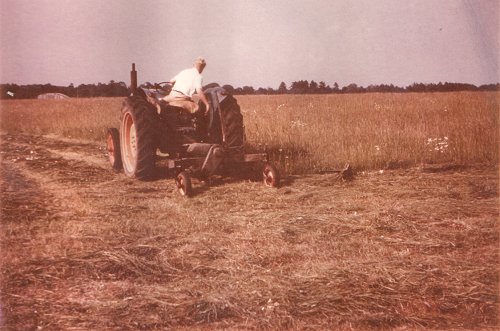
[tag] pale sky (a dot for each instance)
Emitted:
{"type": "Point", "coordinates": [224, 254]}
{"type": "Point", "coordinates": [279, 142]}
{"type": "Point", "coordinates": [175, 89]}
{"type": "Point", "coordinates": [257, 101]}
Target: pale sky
{"type": "Point", "coordinates": [251, 42]}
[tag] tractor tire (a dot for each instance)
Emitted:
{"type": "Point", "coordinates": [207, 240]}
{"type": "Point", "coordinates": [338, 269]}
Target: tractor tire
{"type": "Point", "coordinates": [138, 138]}
{"type": "Point", "coordinates": [113, 148]}
{"type": "Point", "coordinates": [271, 175]}
{"type": "Point", "coordinates": [183, 183]}
{"type": "Point", "coordinates": [231, 115]}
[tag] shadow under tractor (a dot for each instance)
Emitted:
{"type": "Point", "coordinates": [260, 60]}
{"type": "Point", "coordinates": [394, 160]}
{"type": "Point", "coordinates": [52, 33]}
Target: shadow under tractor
{"type": "Point", "coordinates": [155, 135]}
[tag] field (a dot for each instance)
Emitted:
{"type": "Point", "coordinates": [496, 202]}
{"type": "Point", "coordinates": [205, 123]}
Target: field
{"type": "Point", "coordinates": [308, 134]}
{"type": "Point", "coordinates": [410, 243]}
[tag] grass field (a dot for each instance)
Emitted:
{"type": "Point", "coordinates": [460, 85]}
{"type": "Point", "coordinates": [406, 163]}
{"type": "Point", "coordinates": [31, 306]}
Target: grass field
{"type": "Point", "coordinates": [398, 247]}
{"type": "Point", "coordinates": [311, 133]}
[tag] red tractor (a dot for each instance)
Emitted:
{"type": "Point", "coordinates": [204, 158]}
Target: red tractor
{"type": "Point", "coordinates": [154, 134]}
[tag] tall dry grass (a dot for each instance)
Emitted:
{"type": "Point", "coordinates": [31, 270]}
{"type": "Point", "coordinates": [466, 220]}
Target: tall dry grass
{"type": "Point", "coordinates": [85, 118]}
{"type": "Point", "coordinates": [311, 133]}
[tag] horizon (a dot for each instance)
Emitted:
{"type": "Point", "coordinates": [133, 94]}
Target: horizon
{"type": "Point", "coordinates": [288, 85]}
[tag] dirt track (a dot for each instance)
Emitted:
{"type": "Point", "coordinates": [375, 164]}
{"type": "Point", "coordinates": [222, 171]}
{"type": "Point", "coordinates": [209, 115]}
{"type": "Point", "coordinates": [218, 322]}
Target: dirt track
{"type": "Point", "coordinates": [86, 247]}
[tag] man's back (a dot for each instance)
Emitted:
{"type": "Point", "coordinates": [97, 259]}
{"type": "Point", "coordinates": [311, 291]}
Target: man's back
{"type": "Point", "coordinates": [187, 81]}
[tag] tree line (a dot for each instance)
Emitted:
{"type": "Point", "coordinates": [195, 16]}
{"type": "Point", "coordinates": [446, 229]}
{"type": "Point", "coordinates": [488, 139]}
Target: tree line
{"type": "Point", "coordinates": [312, 87]}
{"type": "Point", "coordinates": [120, 89]}
{"type": "Point", "coordinates": [112, 89]}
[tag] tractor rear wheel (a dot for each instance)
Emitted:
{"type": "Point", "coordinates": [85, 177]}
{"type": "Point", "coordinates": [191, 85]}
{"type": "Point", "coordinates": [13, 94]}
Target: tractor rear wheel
{"type": "Point", "coordinates": [137, 137]}
{"type": "Point", "coordinates": [271, 175]}
{"type": "Point", "coordinates": [113, 148]}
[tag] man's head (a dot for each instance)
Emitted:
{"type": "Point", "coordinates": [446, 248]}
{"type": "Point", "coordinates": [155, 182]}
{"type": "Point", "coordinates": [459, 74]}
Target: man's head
{"type": "Point", "coordinates": [200, 64]}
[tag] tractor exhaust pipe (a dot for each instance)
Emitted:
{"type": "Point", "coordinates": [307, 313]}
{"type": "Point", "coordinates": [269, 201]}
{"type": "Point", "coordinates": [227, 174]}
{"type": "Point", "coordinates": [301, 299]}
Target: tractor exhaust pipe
{"type": "Point", "coordinates": [133, 80]}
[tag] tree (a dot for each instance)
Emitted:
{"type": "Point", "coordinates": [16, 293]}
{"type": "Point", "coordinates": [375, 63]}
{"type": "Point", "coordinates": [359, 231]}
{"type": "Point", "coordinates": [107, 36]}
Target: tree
{"type": "Point", "coordinates": [248, 90]}
{"type": "Point", "coordinates": [229, 89]}
{"type": "Point", "coordinates": [300, 87]}
{"type": "Point", "coordinates": [323, 88]}
{"type": "Point", "coordinates": [282, 88]}
{"type": "Point", "coordinates": [313, 87]}
{"type": "Point", "coordinates": [351, 88]}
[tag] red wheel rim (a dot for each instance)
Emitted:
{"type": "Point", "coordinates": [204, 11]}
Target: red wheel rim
{"type": "Point", "coordinates": [130, 143]}
{"type": "Point", "coordinates": [180, 185]}
{"type": "Point", "coordinates": [268, 177]}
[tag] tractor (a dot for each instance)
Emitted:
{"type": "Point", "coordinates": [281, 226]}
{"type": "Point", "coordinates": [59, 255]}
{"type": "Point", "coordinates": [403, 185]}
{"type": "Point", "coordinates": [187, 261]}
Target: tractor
{"type": "Point", "coordinates": [154, 134]}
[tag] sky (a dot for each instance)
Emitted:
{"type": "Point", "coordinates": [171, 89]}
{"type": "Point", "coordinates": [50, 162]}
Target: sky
{"type": "Point", "coordinates": [251, 42]}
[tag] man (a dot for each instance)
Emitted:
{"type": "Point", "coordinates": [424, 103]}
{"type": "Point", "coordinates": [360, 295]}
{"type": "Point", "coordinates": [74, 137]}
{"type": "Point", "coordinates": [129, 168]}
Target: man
{"type": "Point", "coordinates": [185, 84]}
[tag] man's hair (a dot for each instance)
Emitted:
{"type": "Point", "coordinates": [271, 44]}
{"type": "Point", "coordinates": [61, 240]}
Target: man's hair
{"type": "Point", "coordinates": [200, 60]}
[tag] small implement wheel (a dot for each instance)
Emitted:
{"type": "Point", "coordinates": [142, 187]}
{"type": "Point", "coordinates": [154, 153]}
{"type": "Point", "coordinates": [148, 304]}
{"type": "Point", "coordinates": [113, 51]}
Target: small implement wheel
{"type": "Point", "coordinates": [113, 148]}
{"type": "Point", "coordinates": [183, 183]}
{"type": "Point", "coordinates": [271, 175]}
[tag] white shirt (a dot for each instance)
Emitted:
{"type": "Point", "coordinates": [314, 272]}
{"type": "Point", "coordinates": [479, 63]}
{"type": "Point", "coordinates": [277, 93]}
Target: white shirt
{"type": "Point", "coordinates": [187, 81]}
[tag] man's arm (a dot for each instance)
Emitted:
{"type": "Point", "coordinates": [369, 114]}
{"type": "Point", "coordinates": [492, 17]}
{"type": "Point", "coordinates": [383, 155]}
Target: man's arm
{"type": "Point", "coordinates": [203, 99]}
